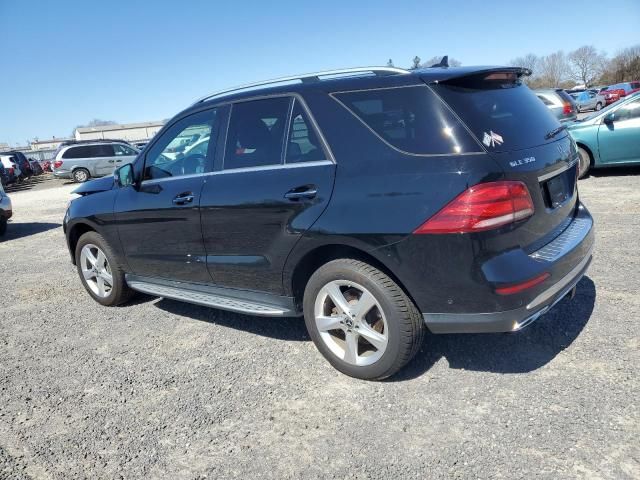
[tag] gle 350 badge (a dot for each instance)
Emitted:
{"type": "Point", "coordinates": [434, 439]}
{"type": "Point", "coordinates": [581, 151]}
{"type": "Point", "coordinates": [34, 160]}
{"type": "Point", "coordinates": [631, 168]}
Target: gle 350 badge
{"type": "Point", "coordinates": [522, 161]}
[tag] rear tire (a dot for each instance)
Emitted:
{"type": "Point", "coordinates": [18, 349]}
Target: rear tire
{"type": "Point", "coordinates": [598, 106]}
{"type": "Point", "coordinates": [584, 162]}
{"type": "Point", "coordinates": [81, 175]}
{"type": "Point", "coordinates": [99, 271]}
{"type": "Point", "coordinates": [372, 328]}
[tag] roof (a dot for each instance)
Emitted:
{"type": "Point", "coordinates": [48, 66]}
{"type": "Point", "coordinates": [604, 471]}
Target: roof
{"type": "Point", "coordinates": [126, 126]}
{"type": "Point", "coordinates": [356, 78]}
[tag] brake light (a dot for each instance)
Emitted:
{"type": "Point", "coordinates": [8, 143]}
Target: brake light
{"type": "Point", "coordinates": [567, 109]}
{"type": "Point", "coordinates": [11, 171]}
{"type": "Point", "coordinates": [519, 287]}
{"type": "Point", "coordinates": [482, 207]}
{"type": "Point", "coordinates": [57, 164]}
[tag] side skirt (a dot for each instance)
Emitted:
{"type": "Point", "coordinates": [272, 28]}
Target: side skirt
{"type": "Point", "coordinates": [242, 301]}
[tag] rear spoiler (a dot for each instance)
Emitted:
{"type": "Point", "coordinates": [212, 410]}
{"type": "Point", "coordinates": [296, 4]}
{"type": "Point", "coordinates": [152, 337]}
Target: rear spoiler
{"type": "Point", "coordinates": [448, 74]}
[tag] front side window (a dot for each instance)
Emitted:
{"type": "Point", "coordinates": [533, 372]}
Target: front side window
{"type": "Point", "coordinates": [256, 133]}
{"type": "Point", "coordinates": [303, 142]}
{"type": "Point", "coordinates": [411, 119]}
{"type": "Point", "coordinates": [123, 150]}
{"type": "Point", "coordinates": [629, 111]}
{"type": "Point", "coordinates": [183, 149]}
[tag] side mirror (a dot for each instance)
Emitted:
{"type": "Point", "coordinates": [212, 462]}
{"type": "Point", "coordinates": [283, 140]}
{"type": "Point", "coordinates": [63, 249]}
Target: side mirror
{"type": "Point", "coordinates": [123, 176]}
{"type": "Point", "coordinates": [609, 118]}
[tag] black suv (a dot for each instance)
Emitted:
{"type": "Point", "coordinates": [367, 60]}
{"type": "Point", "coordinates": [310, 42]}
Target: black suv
{"type": "Point", "coordinates": [373, 201]}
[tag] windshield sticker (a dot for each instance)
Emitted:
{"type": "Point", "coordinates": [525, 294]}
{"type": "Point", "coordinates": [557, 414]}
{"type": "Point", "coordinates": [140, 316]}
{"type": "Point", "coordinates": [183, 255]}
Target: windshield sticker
{"type": "Point", "coordinates": [492, 139]}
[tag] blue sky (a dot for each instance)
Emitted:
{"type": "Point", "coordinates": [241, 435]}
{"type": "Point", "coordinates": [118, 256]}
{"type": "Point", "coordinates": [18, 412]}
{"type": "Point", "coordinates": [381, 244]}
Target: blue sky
{"type": "Point", "coordinates": [67, 62]}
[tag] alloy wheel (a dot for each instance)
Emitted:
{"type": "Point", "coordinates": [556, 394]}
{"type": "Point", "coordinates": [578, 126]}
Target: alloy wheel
{"type": "Point", "coordinates": [96, 270]}
{"type": "Point", "coordinates": [80, 176]}
{"type": "Point", "coordinates": [351, 322]}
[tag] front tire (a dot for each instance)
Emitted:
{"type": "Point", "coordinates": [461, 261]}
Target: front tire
{"type": "Point", "coordinates": [99, 271]}
{"type": "Point", "coordinates": [81, 175]}
{"type": "Point", "coordinates": [362, 322]}
{"type": "Point", "coordinates": [584, 162]}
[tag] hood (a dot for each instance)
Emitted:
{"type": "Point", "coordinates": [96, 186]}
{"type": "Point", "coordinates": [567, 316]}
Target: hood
{"type": "Point", "coordinates": [93, 186]}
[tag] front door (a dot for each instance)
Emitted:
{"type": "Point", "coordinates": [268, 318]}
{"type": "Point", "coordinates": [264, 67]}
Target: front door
{"type": "Point", "coordinates": [159, 222]}
{"type": "Point", "coordinates": [619, 142]}
{"type": "Point", "coordinates": [272, 183]}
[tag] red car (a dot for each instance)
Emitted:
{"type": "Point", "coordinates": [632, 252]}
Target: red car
{"type": "Point", "coordinates": [614, 92]}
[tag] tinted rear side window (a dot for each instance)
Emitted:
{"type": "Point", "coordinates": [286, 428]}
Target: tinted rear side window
{"type": "Point", "coordinates": [76, 152]}
{"type": "Point", "coordinates": [503, 115]}
{"type": "Point", "coordinates": [411, 119]}
{"type": "Point", "coordinates": [256, 133]}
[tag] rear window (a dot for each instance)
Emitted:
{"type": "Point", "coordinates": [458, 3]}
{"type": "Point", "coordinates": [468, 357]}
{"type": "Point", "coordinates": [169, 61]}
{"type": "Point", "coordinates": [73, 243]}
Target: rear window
{"type": "Point", "coordinates": [504, 115]}
{"type": "Point", "coordinates": [411, 119]}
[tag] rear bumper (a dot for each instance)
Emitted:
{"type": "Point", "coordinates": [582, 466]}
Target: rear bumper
{"type": "Point", "coordinates": [511, 320]}
{"type": "Point", "coordinates": [567, 258]}
{"type": "Point", "coordinates": [5, 207]}
{"type": "Point", "coordinates": [62, 173]}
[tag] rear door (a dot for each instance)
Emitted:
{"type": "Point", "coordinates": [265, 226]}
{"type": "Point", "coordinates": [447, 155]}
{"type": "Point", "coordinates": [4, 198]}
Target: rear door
{"type": "Point", "coordinates": [272, 181]}
{"type": "Point", "coordinates": [101, 161]}
{"type": "Point", "coordinates": [619, 142]}
{"type": "Point", "coordinates": [530, 146]}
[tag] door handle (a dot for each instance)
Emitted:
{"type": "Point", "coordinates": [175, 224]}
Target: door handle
{"type": "Point", "coordinates": [183, 198]}
{"type": "Point", "coordinates": [110, 161]}
{"type": "Point", "coordinates": [118, 161]}
{"type": "Point", "coordinates": [306, 191]}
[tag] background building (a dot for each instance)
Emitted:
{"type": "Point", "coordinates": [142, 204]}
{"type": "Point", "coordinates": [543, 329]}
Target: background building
{"type": "Point", "coordinates": [50, 144]}
{"type": "Point", "coordinates": [132, 132]}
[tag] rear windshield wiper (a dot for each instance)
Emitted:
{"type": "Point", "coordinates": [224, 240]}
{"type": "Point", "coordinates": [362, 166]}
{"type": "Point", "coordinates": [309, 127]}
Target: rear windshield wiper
{"type": "Point", "coordinates": [555, 132]}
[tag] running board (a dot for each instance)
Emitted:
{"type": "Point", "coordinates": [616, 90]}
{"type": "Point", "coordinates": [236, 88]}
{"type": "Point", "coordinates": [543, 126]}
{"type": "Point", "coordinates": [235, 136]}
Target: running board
{"type": "Point", "coordinates": [210, 299]}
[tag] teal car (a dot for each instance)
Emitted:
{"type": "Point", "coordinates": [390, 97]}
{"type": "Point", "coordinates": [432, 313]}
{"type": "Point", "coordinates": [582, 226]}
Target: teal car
{"type": "Point", "coordinates": [610, 137]}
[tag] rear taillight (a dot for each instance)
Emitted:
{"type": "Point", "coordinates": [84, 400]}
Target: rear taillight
{"type": "Point", "coordinates": [57, 164]}
{"type": "Point", "coordinates": [482, 207]}
{"type": "Point", "coordinates": [11, 171]}
{"type": "Point", "coordinates": [567, 109]}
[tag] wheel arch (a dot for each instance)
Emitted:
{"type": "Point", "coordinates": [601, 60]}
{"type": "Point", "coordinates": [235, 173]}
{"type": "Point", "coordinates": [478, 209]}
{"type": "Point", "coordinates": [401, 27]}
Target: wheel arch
{"type": "Point", "coordinates": [589, 150]}
{"type": "Point", "coordinates": [75, 232]}
{"type": "Point", "coordinates": [320, 255]}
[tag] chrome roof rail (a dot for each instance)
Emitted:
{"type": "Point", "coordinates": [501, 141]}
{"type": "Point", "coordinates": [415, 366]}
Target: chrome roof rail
{"type": "Point", "coordinates": [310, 77]}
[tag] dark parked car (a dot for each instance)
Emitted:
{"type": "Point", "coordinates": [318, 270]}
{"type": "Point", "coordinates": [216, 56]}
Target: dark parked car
{"type": "Point", "coordinates": [373, 201]}
{"type": "Point", "coordinates": [4, 176]}
{"type": "Point", "coordinates": [36, 167]}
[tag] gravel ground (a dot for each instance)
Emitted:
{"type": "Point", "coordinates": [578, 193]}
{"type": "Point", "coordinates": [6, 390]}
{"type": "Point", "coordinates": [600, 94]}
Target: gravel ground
{"type": "Point", "coordinates": [160, 389]}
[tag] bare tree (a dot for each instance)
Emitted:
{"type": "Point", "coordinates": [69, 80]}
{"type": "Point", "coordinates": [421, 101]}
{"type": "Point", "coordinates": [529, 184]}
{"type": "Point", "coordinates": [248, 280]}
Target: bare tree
{"type": "Point", "coordinates": [390, 63]}
{"type": "Point", "coordinates": [416, 63]}
{"type": "Point", "coordinates": [435, 60]}
{"type": "Point", "coordinates": [554, 69]}
{"type": "Point", "coordinates": [586, 64]}
{"type": "Point", "coordinates": [531, 62]}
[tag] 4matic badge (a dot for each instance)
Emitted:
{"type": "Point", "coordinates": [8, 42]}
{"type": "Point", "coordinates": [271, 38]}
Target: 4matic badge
{"type": "Point", "coordinates": [492, 139]}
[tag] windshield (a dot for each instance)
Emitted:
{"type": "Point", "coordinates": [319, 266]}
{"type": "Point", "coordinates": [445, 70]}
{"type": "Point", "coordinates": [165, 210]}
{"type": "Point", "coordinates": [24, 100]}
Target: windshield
{"type": "Point", "coordinates": [497, 110]}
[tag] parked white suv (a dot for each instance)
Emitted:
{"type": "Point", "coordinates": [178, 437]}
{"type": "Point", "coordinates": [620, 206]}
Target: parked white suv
{"type": "Point", "coordinates": [85, 159]}
{"type": "Point", "coordinates": [5, 210]}
{"type": "Point", "coordinates": [9, 162]}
